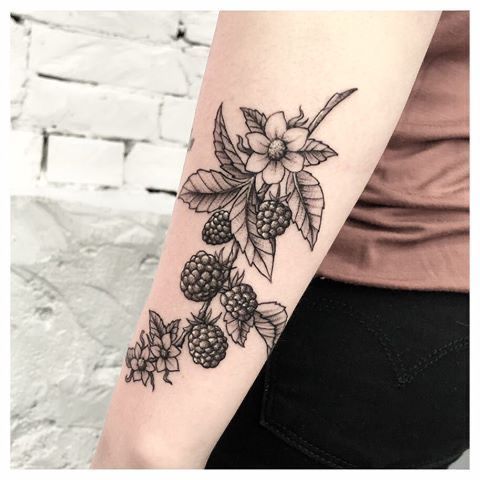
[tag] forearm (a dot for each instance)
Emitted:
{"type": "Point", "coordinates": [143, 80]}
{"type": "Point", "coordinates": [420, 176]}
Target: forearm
{"type": "Point", "coordinates": [173, 414]}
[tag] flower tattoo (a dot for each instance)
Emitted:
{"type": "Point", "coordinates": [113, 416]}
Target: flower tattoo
{"type": "Point", "coordinates": [277, 149]}
{"type": "Point", "coordinates": [263, 186]}
{"type": "Point", "coordinates": [166, 353]}
{"type": "Point", "coordinates": [139, 362]}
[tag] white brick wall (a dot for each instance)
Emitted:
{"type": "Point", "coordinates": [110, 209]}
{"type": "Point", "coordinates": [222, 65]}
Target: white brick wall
{"type": "Point", "coordinates": [176, 119]}
{"type": "Point", "coordinates": [82, 160]}
{"type": "Point", "coordinates": [131, 78]}
{"type": "Point", "coordinates": [155, 27]}
{"type": "Point", "coordinates": [18, 65]}
{"type": "Point", "coordinates": [101, 110]}
{"type": "Point", "coordinates": [98, 111]}
{"type": "Point", "coordinates": [26, 149]}
{"type": "Point", "coordinates": [107, 61]}
{"type": "Point", "coordinates": [154, 166]}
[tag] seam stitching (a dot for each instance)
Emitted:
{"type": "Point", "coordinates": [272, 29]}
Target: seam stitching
{"type": "Point", "coordinates": [402, 379]}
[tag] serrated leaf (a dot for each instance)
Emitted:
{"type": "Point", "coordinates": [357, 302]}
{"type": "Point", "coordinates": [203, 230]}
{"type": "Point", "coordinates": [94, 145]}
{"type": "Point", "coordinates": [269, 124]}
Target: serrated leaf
{"type": "Point", "coordinates": [315, 152]}
{"type": "Point", "coordinates": [225, 151]}
{"type": "Point", "coordinates": [172, 328]}
{"type": "Point", "coordinates": [254, 119]}
{"type": "Point", "coordinates": [270, 320]}
{"type": "Point", "coordinates": [306, 202]}
{"type": "Point", "coordinates": [209, 190]}
{"type": "Point", "coordinates": [157, 327]}
{"type": "Point", "coordinates": [237, 330]}
{"type": "Point", "coordinates": [258, 251]}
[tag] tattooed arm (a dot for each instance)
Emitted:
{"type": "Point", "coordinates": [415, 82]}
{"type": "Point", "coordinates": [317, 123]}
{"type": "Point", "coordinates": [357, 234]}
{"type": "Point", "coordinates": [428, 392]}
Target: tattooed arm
{"type": "Point", "coordinates": [294, 113]}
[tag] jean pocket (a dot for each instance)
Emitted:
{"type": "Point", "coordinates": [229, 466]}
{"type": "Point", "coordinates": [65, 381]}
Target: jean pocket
{"type": "Point", "coordinates": [352, 387]}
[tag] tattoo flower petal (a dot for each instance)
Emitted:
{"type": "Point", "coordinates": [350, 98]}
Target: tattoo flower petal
{"type": "Point", "coordinates": [276, 126]}
{"type": "Point", "coordinates": [138, 360]}
{"type": "Point", "coordinates": [274, 172]}
{"type": "Point", "coordinates": [293, 162]}
{"type": "Point", "coordinates": [295, 138]}
{"type": "Point", "coordinates": [257, 162]}
{"type": "Point", "coordinates": [165, 352]}
{"type": "Point", "coordinates": [277, 149]}
{"type": "Point", "coordinates": [172, 364]}
{"type": "Point", "coordinates": [258, 142]}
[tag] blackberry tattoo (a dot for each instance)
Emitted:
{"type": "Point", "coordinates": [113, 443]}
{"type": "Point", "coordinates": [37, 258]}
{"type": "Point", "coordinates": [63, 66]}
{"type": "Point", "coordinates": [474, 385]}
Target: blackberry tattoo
{"type": "Point", "coordinates": [263, 186]}
{"type": "Point", "coordinates": [206, 342]}
{"type": "Point", "coordinates": [202, 276]}
{"type": "Point", "coordinates": [218, 229]}
{"type": "Point", "coordinates": [240, 302]}
{"type": "Point", "coordinates": [273, 218]}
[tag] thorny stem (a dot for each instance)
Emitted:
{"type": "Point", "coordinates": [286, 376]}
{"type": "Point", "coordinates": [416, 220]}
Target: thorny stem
{"type": "Point", "coordinates": [329, 106]}
{"type": "Point", "coordinates": [232, 256]}
{"type": "Point", "coordinates": [181, 338]}
{"type": "Point", "coordinates": [203, 310]}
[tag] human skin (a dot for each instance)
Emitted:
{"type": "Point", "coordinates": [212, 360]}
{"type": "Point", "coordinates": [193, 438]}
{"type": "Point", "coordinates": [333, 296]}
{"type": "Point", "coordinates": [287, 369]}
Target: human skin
{"type": "Point", "coordinates": [270, 61]}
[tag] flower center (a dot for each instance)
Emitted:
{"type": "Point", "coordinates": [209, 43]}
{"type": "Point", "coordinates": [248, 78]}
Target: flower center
{"type": "Point", "coordinates": [141, 364]}
{"type": "Point", "coordinates": [276, 149]}
{"type": "Point", "coordinates": [163, 353]}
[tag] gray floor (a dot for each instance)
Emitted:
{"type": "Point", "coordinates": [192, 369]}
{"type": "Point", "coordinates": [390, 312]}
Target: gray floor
{"type": "Point", "coordinates": [463, 463]}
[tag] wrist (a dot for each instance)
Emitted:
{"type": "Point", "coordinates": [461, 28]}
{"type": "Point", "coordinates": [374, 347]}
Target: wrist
{"type": "Point", "coordinates": [145, 451]}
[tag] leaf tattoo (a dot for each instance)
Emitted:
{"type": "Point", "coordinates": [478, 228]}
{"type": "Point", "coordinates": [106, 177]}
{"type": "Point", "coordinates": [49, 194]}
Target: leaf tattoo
{"type": "Point", "coordinates": [259, 251]}
{"type": "Point", "coordinates": [307, 203]}
{"type": "Point", "coordinates": [209, 190]}
{"type": "Point", "coordinates": [255, 120]}
{"type": "Point", "coordinates": [315, 152]}
{"type": "Point", "coordinates": [270, 320]}
{"type": "Point", "coordinates": [263, 186]}
{"type": "Point", "coordinates": [225, 151]}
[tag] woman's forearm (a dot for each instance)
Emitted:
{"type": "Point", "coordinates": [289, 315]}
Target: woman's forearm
{"type": "Point", "coordinates": [294, 113]}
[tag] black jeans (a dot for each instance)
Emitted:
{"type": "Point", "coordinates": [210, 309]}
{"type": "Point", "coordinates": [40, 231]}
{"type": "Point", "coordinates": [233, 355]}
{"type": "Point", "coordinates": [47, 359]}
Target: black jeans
{"type": "Point", "coordinates": [362, 377]}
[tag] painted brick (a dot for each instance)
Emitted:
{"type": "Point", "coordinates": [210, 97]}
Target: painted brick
{"type": "Point", "coordinates": [176, 119]}
{"type": "Point", "coordinates": [79, 249]}
{"type": "Point", "coordinates": [18, 63]}
{"type": "Point", "coordinates": [25, 155]}
{"type": "Point", "coordinates": [82, 160]}
{"type": "Point", "coordinates": [194, 61]}
{"type": "Point", "coordinates": [199, 26]}
{"type": "Point", "coordinates": [154, 166]}
{"type": "Point", "coordinates": [155, 26]}
{"type": "Point", "coordinates": [87, 110]}
{"type": "Point", "coordinates": [73, 304]}
{"type": "Point", "coordinates": [107, 61]}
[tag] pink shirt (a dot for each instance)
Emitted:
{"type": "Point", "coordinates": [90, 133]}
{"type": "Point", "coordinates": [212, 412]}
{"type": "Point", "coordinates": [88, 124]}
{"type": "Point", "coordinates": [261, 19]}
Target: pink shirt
{"type": "Point", "coordinates": [410, 227]}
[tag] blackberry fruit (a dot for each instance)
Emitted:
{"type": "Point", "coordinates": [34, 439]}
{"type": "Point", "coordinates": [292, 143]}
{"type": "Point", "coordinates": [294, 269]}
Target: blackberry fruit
{"type": "Point", "coordinates": [240, 302]}
{"type": "Point", "coordinates": [273, 218]}
{"type": "Point", "coordinates": [202, 276]}
{"type": "Point", "coordinates": [217, 230]}
{"type": "Point", "coordinates": [207, 344]}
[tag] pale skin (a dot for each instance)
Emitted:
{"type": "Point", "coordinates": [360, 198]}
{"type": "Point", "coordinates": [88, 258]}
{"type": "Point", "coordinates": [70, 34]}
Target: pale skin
{"type": "Point", "coordinates": [269, 61]}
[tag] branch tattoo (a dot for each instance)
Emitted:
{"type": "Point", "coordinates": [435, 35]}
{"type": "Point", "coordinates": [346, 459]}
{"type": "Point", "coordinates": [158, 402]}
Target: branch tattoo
{"type": "Point", "coordinates": [263, 186]}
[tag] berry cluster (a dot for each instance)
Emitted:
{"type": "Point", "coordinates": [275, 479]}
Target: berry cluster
{"type": "Point", "coordinates": [203, 276]}
{"type": "Point", "coordinates": [273, 218]}
{"type": "Point", "coordinates": [240, 302]}
{"type": "Point", "coordinates": [217, 230]}
{"type": "Point", "coordinates": [207, 344]}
